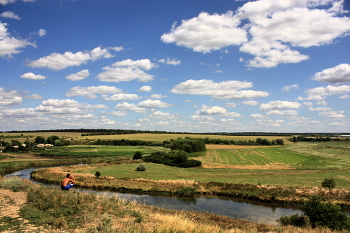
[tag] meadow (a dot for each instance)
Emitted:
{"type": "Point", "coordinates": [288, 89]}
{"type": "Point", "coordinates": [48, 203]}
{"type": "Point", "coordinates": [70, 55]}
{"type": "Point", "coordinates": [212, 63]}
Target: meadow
{"type": "Point", "coordinates": [289, 173]}
{"type": "Point", "coordinates": [96, 151]}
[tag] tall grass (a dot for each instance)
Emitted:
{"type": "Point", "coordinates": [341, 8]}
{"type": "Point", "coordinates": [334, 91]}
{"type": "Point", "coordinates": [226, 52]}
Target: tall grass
{"type": "Point", "coordinates": [70, 211]}
{"type": "Point", "coordinates": [15, 184]}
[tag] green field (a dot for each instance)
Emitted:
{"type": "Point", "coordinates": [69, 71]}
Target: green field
{"type": "Point", "coordinates": [280, 157]}
{"type": "Point", "coordinates": [97, 151]}
{"type": "Point", "coordinates": [278, 166]}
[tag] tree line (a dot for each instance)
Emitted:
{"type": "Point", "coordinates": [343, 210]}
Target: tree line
{"type": "Point", "coordinates": [92, 132]}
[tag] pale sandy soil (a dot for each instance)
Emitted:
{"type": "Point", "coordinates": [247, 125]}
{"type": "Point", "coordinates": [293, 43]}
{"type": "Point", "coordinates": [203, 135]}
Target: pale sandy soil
{"type": "Point", "coordinates": [10, 204]}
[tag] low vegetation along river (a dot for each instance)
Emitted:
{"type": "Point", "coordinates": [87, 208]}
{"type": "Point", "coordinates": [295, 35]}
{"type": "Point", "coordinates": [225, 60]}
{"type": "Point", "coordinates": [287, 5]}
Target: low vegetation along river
{"type": "Point", "coordinates": [253, 211]}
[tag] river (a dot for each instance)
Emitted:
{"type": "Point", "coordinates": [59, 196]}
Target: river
{"type": "Point", "coordinates": [231, 207]}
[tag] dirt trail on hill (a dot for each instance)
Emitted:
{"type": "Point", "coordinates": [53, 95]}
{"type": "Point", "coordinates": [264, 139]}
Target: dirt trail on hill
{"type": "Point", "coordinates": [10, 205]}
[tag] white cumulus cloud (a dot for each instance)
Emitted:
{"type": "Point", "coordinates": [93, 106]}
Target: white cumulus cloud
{"type": "Point", "coordinates": [10, 15]}
{"type": "Point", "coordinates": [223, 90]}
{"type": "Point", "coordinates": [122, 97]}
{"type": "Point", "coordinates": [337, 74]}
{"type": "Point", "coordinates": [33, 76]}
{"type": "Point", "coordinates": [207, 32]}
{"type": "Point", "coordinates": [279, 104]}
{"type": "Point", "coordinates": [78, 76]}
{"type": "Point", "coordinates": [90, 92]}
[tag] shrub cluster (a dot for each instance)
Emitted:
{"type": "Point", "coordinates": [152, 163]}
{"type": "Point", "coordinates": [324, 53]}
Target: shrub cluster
{"type": "Point", "coordinates": [175, 158]}
{"type": "Point", "coordinates": [328, 183]}
{"type": "Point", "coordinates": [318, 213]}
{"type": "Point", "coordinates": [187, 144]}
{"type": "Point", "coordinates": [141, 168]}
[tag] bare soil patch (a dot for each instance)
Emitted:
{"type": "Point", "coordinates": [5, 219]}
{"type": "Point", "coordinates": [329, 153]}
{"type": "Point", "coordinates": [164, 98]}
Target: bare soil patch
{"type": "Point", "coordinates": [10, 205]}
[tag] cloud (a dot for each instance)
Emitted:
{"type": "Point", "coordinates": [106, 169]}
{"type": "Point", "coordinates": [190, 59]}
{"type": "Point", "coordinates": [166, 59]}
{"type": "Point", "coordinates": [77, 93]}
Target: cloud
{"type": "Point", "coordinates": [78, 76]}
{"type": "Point", "coordinates": [282, 113]}
{"type": "Point", "coordinates": [256, 116]}
{"type": "Point", "coordinates": [153, 104]}
{"type": "Point", "coordinates": [230, 122]}
{"type": "Point", "coordinates": [270, 30]}
{"type": "Point", "coordinates": [223, 90]}
{"type": "Point", "coordinates": [319, 109]}
{"type": "Point", "coordinates": [127, 70]}
{"type": "Point", "coordinates": [216, 111]}
{"type": "Point", "coordinates": [337, 74]}
{"type": "Point", "coordinates": [66, 107]}
{"type": "Point", "coordinates": [157, 96]}
{"type": "Point", "coordinates": [145, 89]}
{"type": "Point", "coordinates": [270, 53]}
{"type": "Point", "coordinates": [267, 122]}
{"type": "Point", "coordinates": [42, 32]}
{"type": "Point", "coordinates": [287, 88]}
{"type": "Point", "coordinates": [278, 104]}
{"type": "Point", "coordinates": [125, 106]}
{"type": "Point", "coordinates": [301, 27]}
{"type": "Point", "coordinates": [332, 114]}
{"type": "Point", "coordinates": [230, 105]}
{"type": "Point", "coordinates": [90, 92]}
{"type": "Point", "coordinates": [344, 97]}
{"type": "Point", "coordinates": [202, 118]}
{"type": "Point", "coordinates": [10, 45]}
{"type": "Point", "coordinates": [329, 90]}
{"type": "Point", "coordinates": [122, 97]}
{"type": "Point", "coordinates": [117, 49]}
{"type": "Point", "coordinates": [56, 61]}
{"type": "Point", "coordinates": [33, 76]}
{"type": "Point", "coordinates": [98, 53]}
{"type": "Point", "coordinates": [33, 97]}
{"type": "Point", "coordinates": [144, 64]}
{"type": "Point", "coordinates": [207, 32]}
{"type": "Point", "coordinates": [163, 115]}
{"type": "Point", "coordinates": [4, 2]}
{"type": "Point", "coordinates": [169, 61]}
{"type": "Point", "coordinates": [114, 113]}
{"type": "Point", "coordinates": [9, 98]}
{"type": "Point", "coordinates": [10, 15]}
{"type": "Point", "coordinates": [250, 103]}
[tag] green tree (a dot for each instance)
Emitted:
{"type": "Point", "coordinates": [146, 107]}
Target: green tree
{"type": "Point", "coordinates": [328, 183]}
{"type": "Point", "coordinates": [325, 214]}
{"type": "Point", "coordinates": [137, 155]}
{"type": "Point", "coordinates": [52, 139]}
{"type": "Point", "coordinates": [39, 140]}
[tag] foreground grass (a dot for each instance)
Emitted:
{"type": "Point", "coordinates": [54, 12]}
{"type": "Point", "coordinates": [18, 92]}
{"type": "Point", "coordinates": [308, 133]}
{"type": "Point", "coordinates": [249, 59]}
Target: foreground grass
{"type": "Point", "coordinates": [54, 210]}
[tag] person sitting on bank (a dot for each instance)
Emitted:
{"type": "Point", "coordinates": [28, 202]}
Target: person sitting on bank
{"type": "Point", "coordinates": [67, 182]}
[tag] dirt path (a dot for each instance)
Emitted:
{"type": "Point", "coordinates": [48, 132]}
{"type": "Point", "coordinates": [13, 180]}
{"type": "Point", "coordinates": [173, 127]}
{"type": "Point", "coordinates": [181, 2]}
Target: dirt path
{"type": "Point", "coordinates": [10, 205]}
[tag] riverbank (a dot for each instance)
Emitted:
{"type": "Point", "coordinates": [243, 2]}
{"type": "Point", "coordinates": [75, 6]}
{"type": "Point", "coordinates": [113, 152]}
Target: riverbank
{"type": "Point", "coordinates": [43, 209]}
{"type": "Point", "coordinates": [261, 193]}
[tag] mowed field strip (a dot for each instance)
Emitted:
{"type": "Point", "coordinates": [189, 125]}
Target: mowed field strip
{"type": "Point", "coordinates": [258, 157]}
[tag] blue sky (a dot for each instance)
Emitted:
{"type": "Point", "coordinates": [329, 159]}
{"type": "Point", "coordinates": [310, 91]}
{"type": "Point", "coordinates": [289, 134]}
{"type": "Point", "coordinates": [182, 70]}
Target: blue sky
{"type": "Point", "coordinates": [182, 66]}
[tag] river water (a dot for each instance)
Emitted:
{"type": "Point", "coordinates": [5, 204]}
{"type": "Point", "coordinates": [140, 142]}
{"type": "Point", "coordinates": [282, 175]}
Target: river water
{"type": "Point", "coordinates": [235, 208]}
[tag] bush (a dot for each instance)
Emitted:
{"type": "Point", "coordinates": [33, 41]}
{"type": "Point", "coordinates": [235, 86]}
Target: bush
{"type": "Point", "coordinates": [294, 220]}
{"type": "Point", "coordinates": [178, 156]}
{"type": "Point", "coordinates": [325, 214]}
{"type": "Point", "coordinates": [190, 163]}
{"type": "Point", "coordinates": [97, 174]}
{"type": "Point", "coordinates": [328, 183]}
{"type": "Point", "coordinates": [137, 155]}
{"type": "Point", "coordinates": [174, 158]}
{"type": "Point", "coordinates": [186, 192]}
{"type": "Point", "coordinates": [141, 168]}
